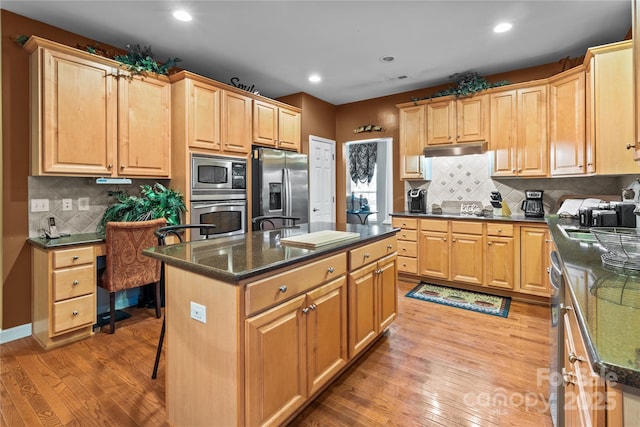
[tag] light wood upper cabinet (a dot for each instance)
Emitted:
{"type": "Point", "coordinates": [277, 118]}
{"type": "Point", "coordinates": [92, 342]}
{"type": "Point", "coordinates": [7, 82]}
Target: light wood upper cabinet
{"type": "Point", "coordinates": [202, 115]}
{"type": "Point", "coordinates": [236, 123]}
{"type": "Point", "coordinates": [610, 128]}
{"type": "Point", "coordinates": [519, 132]}
{"type": "Point", "coordinates": [463, 120]}
{"type": "Point", "coordinates": [276, 126]}
{"type": "Point", "coordinates": [567, 123]}
{"type": "Point", "coordinates": [90, 118]}
{"type": "Point", "coordinates": [412, 140]}
{"type": "Point", "coordinates": [144, 127]}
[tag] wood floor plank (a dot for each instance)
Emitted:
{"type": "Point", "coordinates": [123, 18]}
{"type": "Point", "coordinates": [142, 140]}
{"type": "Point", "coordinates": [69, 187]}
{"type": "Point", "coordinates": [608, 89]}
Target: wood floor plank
{"type": "Point", "coordinates": [435, 366]}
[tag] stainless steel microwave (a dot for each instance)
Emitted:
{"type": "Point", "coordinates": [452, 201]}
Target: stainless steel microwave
{"type": "Point", "coordinates": [216, 177]}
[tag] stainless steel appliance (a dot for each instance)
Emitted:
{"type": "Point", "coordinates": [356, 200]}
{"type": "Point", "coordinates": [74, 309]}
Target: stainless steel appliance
{"type": "Point", "coordinates": [218, 177]}
{"type": "Point", "coordinates": [417, 200]}
{"type": "Point", "coordinates": [532, 205]}
{"type": "Point", "coordinates": [229, 217]}
{"type": "Point", "coordinates": [556, 358]}
{"type": "Point", "coordinates": [279, 184]}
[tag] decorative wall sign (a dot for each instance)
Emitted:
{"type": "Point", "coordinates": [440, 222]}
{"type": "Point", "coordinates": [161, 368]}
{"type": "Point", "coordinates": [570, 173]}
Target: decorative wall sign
{"type": "Point", "coordinates": [368, 128]}
{"type": "Point", "coordinates": [235, 82]}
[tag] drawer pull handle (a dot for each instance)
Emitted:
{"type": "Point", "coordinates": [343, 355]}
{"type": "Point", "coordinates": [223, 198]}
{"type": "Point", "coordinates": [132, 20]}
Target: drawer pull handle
{"type": "Point", "coordinates": [75, 257]}
{"type": "Point", "coordinates": [330, 270]}
{"type": "Point", "coordinates": [75, 313]}
{"type": "Point", "coordinates": [499, 230]}
{"type": "Point", "coordinates": [305, 310]}
{"type": "Point", "coordinates": [488, 243]}
{"type": "Point", "coordinates": [76, 283]}
{"type": "Point", "coordinates": [573, 358]}
{"type": "Point", "coordinates": [630, 146]}
{"type": "Point", "coordinates": [367, 255]}
{"type": "Point", "coordinates": [283, 288]}
{"type": "Point", "coordinates": [567, 377]}
{"type": "Point", "coordinates": [389, 246]}
{"type": "Point", "coordinates": [313, 306]}
{"type": "Point", "coordinates": [565, 307]}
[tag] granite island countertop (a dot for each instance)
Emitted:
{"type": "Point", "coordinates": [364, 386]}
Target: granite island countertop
{"type": "Point", "coordinates": [235, 258]}
{"type": "Point", "coordinates": [511, 218]}
{"type": "Point", "coordinates": [606, 302]}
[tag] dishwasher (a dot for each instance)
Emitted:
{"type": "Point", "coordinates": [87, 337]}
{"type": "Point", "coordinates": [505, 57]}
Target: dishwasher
{"type": "Point", "coordinates": [556, 358]}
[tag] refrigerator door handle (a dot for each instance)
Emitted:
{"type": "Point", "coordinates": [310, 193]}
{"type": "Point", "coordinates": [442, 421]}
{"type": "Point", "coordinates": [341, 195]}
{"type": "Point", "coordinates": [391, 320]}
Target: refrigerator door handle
{"type": "Point", "coordinates": [286, 184]}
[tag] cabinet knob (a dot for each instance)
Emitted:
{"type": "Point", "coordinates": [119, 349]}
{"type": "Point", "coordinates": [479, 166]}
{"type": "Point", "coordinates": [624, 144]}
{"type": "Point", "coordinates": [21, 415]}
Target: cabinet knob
{"type": "Point", "coordinates": [488, 243]}
{"type": "Point", "coordinates": [283, 288]}
{"type": "Point", "coordinates": [121, 166]}
{"type": "Point", "coordinates": [573, 358]}
{"type": "Point", "coordinates": [75, 257]}
{"type": "Point", "coordinates": [499, 230]}
{"type": "Point", "coordinates": [453, 240]}
{"type": "Point", "coordinates": [519, 170]}
{"type": "Point", "coordinates": [378, 271]}
{"type": "Point", "coordinates": [109, 166]}
{"type": "Point", "coordinates": [389, 246]}
{"type": "Point", "coordinates": [629, 146]}
{"type": "Point", "coordinates": [367, 255]}
{"type": "Point", "coordinates": [313, 306]}
{"type": "Point", "coordinates": [330, 269]}
{"type": "Point", "coordinates": [580, 166]}
{"type": "Point", "coordinates": [565, 307]}
{"type": "Point", "coordinates": [75, 283]}
{"type": "Point", "coordinates": [513, 171]}
{"type": "Point", "coordinates": [567, 377]}
{"type": "Point", "coordinates": [75, 313]}
{"type": "Point", "coordinates": [444, 239]}
{"type": "Point", "coordinates": [404, 235]}
{"type": "Point", "coordinates": [305, 310]}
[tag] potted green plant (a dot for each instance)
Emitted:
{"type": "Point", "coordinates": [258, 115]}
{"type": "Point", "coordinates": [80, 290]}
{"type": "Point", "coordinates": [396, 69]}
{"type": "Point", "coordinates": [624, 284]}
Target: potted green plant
{"type": "Point", "coordinates": [155, 201]}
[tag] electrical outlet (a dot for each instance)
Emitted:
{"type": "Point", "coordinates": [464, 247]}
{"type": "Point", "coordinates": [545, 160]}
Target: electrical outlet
{"type": "Point", "coordinates": [39, 205]}
{"type": "Point", "coordinates": [198, 312]}
{"type": "Point", "coordinates": [67, 204]}
{"type": "Point", "coordinates": [83, 203]}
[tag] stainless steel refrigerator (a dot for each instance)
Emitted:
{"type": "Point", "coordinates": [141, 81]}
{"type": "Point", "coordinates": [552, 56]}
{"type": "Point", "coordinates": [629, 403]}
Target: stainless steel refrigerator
{"type": "Point", "coordinates": [280, 184]}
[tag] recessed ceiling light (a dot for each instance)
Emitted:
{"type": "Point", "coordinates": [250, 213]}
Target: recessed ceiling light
{"type": "Point", "coordinates": [315, 78]}
{"type": "Point", "coordinates": [387, 59]}
{"type": "Point", "coordinates": [502, 27]}
{"type": "Point", "coordinates": [182, 15]}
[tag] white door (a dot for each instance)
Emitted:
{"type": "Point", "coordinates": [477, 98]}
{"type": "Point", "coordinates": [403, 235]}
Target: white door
{"type": "Point", "coordinates": [322, 179]}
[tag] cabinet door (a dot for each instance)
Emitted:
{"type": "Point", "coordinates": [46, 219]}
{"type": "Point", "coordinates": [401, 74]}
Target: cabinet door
{"type": "Point", "coordinates": [441, 122]}
{"type": "Point", "coordinates": [413, 135]}
{"type": "Point", "coordinates": [77, 104]}
{"type": "Point", "coordinates": [499, 262]}
{"type": "Point", "coordinates": [472, 122]}
{"type": "Point", "coordinates": [534, 260]}
{"type": "Point", "coordinates": [265, 123]}
{"type": "Point", "coordinates": [434, 254]}
{"type": "Point", "coordinates": [144, 127]}
{"type": "Point", "coordinates": [236, 123]}
{"type": "Point", "coordinates": [203, 116]}
{"type": "Point", "coordinates": [532, 152]}
{"type": "Point", "coordinates": [363, 317]}
{"type": "Point", "coordinates": [326, 332]}
{"type": "Point", "coordinates": [289, 129]}
{"type": "Point", "coordinates": [387, 291]}
{"type": "Point", "coordinates": [466, 258]}
{"type": "Point", "coordinates": [276, 363]}
{"type": "Point", "coordinates": [567, 124]}
{"type": "Point", "coordinates": [504, 132]}
{"type": "Point", "coordinates": [635, 25]}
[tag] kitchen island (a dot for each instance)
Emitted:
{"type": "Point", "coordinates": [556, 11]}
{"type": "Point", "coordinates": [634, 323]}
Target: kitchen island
{"type": "Point", "coordinates": [257, 328]}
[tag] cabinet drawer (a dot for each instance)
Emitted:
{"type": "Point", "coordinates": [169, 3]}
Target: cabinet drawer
{"type": "Point", "coordinates": [434, 225]}
{"type": "Point", "coordinates": [73, 282]}
{"type": "Point", "coordinates": [407, 264]}
{"type": "Point", "coordinates": [465, 227]}
{"type": "Point", "coordinates": [499, 230]}
{"type": "Point", "coordinates": [410, 235]}
{"type": "Point", "coordinates": [409, 223]}
{"type": "Point", "coordinates": [71, 257]}
{"type": "Point", "coordinates": [74, 313]}
{"type": "Point", "coordinates": [407, 248]}
{"type": "Point", "coordinates": [371, 252]}
{"type": "Point", "coordinates": [275, 289]}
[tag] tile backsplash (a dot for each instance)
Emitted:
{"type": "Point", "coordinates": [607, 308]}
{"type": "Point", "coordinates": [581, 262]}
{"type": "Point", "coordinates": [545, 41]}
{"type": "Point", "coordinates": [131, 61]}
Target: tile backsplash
{"type": "Point", "coordinates": [73, 221]}
{"type": "Point", "coordinates": [469, 178]}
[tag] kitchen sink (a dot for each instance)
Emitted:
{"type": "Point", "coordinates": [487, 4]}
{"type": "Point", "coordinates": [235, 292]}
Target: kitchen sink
{"type": "Point", "coordinates": [581, 234]}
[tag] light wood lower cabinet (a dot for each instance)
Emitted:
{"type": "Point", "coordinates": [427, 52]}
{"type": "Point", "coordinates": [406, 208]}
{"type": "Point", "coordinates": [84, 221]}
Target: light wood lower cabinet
{"type": "Point", "coordinates": [434, 249]}
{"type": "Point", "coordinates": [535, 246]}
{"type": "Point", "coordinates": [466, 256]}
{"type": "Point", "coordinates": [500, 256]}
{"type": "Point", "coordinates": [293, 350]}
{"type": "Point", "coordinates": [407, 244]}
{"type": "Point", "coordinates": [64, 294]}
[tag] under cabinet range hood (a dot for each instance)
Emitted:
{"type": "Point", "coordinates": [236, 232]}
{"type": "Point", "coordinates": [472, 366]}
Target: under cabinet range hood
{"type": "Point", "coordinates": [460, 149]}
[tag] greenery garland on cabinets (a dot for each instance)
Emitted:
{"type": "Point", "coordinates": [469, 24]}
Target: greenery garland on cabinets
{"type": "Point", "coordinates": [467, 84]}
{"type": "Point", "coordinates": [153, 202]}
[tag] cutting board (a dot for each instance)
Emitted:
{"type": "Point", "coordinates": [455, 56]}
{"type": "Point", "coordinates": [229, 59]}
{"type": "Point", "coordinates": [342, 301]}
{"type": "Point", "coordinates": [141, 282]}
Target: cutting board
{"type": "Point", "coordinates": [319, 238]}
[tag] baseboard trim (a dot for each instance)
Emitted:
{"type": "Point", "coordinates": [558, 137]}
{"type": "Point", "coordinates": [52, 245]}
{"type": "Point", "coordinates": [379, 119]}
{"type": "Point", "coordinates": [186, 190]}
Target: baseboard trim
{"type": "Point", "coordinates": [15, 333]}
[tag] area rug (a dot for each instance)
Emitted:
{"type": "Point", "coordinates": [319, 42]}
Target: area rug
{"type": "Point", "coordinates": [469, 300]}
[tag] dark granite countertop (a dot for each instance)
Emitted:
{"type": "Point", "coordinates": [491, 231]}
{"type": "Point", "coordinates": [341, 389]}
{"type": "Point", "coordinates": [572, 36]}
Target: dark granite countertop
{"type": "Point", "coordinates": [235, 258]}
{"type": "Point", "coordinates": [73, 239]}
{"type": "Point", "coordinates": [607, 305]}
{"type": "Point", "coordinates": [512, 218]}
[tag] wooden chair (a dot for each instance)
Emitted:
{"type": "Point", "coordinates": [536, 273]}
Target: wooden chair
{"type": "Point", "coordinates": [276, 221]}
{"type": "Point", "coordinates": [162, 234]}
{"type": "Point", "coordinates": [126, 266]}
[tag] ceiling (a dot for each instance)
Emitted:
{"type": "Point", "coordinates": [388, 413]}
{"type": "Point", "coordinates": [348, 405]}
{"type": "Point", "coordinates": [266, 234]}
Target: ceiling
{"type": "Point", "coordinates": [275, 45]}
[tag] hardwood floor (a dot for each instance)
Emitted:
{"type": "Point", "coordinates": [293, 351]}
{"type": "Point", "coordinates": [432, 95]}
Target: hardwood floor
{"type": "Point", "coordinates": [435, 366]}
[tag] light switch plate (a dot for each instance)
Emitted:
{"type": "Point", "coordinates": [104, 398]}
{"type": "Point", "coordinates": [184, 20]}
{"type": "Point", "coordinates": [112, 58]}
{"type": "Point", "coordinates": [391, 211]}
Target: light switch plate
{"type": "Point", "coordinates": [198, 312]}
{"type": "Point", "coordinates": [39, 205]}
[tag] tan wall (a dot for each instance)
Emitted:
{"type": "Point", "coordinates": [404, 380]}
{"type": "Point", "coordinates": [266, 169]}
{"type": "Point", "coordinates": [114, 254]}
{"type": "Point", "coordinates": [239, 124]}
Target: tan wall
{"type": "Point", "coordinates": [319, 117]}
{"type": "Point", "coordinates": [16, 257]}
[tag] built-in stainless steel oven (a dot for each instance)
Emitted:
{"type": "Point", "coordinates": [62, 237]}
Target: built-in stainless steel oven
{"type": "Point", "coordinates": [229, 217]}
{"type": "Point", "coordinates": [218, 177]}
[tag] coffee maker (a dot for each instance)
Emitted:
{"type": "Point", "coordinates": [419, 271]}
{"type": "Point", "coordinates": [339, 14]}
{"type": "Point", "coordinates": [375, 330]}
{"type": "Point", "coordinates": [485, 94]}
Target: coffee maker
{"type": "Point", "coordinates": [532, 205]}
{"type": "Point", "coordinates": [417, 200]}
